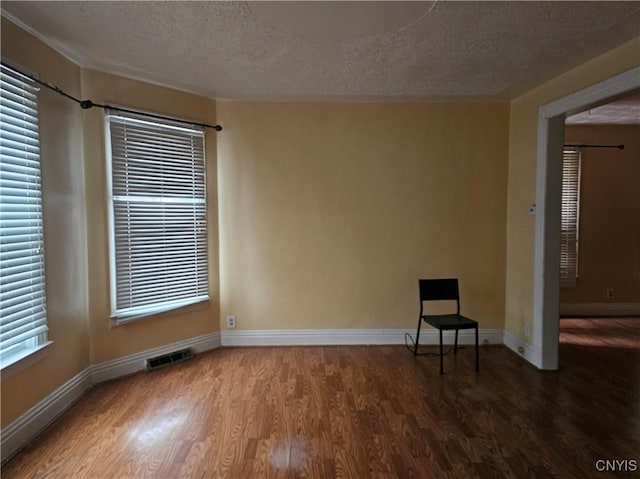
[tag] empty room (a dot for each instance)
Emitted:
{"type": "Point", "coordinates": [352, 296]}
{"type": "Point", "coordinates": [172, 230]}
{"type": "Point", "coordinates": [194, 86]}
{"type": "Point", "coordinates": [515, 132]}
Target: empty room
{"type": "Point", "coordinates": [320, 239]}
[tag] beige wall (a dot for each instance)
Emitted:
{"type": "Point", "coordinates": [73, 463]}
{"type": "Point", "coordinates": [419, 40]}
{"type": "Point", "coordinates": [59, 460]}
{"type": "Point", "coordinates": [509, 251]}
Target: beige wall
{"type": "Point", "coordinates": [64, 226]}
{"type": "Point", "coordinates": [609, 253]}
{"type": "Point", "coordinates": [329, 213]}
{"type": "Point", "coordinates": [75, 208]}
{"type": "Point", "coordinates": [522, 174]}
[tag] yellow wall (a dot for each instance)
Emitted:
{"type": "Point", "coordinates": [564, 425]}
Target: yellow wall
{"type": "Point", "coordinates": [64, 226]}
{"type": "Point", "coordinates": [75, 208]}
{"type": "Point", "coordinates": [329, 213]}
{"type": "Point", "coordinates": [609, 252]}
{"type": "Point", "coordinates": [522, 174]}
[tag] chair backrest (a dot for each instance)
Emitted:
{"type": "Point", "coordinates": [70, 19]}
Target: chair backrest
{"type": "Point", "coordinates": [439, 289]}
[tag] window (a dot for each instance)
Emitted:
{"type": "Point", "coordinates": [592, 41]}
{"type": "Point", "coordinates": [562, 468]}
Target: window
{"type": "Point", "coordinates": [23, 317]}
{"type": "Point", "coordinates": [158, 225]}
{"type": "Point", "coordinates": [570, 217]}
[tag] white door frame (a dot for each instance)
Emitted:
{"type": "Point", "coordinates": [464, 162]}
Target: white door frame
{"type": "Point", "coordinates": [546, 280]}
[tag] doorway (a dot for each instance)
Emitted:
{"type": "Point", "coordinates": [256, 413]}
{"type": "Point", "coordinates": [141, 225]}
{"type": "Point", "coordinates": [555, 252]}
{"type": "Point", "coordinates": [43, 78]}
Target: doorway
{"type": "Point", "coordinates": [550, 142]}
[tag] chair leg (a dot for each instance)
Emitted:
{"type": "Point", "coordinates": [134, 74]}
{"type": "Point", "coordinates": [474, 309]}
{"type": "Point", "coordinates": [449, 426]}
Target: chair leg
{"type": "Point", "coordinates": [477, 352]}
{"type": "Point", "coordinates": [455, 344]}
{"type": "Point", "coordinates": [415, 349]}
{"type": "Point", "coordinates": [441, 354]}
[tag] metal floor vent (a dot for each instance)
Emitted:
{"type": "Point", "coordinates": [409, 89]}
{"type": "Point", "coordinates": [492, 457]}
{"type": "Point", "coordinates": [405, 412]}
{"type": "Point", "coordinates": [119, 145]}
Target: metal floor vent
{"type": "Point", "coordinates": [168, 359]}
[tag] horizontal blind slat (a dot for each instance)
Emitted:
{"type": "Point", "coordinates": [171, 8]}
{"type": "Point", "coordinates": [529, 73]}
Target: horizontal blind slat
{"type": "Point", "coordinates": [159, 254]}
{"type": "Point", "coordinates": [569, 216]}
{"type": "Point", "coordinates": [22, 288]}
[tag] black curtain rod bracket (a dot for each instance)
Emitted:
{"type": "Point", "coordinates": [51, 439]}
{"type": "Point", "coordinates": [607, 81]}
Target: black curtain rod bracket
{"type": "Point", "coordinates": [87, 104]}
{"type": "Point", "coordinates": [619, 147]}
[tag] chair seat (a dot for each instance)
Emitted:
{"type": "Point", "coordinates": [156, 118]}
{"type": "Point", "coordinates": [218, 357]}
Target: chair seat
{"type": "Point", "coordinates": [450, 321]}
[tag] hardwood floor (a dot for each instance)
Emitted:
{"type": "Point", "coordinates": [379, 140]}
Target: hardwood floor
{"type": "Point", "coordinates": [360, 412]}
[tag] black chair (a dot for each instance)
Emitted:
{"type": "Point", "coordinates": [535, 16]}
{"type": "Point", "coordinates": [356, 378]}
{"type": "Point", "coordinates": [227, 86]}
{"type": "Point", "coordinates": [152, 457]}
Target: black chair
{"type": "Point", "coordinates": [438, 290]}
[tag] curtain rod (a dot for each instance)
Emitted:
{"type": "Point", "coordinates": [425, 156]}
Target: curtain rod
{"type": "Point", "coordinates": [86, 104]}
{"type": "Point", "coordinates": [619, 147]}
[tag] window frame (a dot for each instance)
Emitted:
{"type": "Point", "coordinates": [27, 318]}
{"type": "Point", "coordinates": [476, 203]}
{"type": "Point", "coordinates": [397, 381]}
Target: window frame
{"type": "Point", "coordinates": [120, 316]}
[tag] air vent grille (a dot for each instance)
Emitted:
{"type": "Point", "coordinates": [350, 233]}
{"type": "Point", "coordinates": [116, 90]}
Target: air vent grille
{"type": "Point", "coordinates": [168, 359]}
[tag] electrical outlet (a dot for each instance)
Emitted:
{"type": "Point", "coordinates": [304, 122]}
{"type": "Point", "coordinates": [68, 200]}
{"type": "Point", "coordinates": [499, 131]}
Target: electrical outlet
{"type": "Point", "coordinates": [231, 322]}
{"type": "Point", "coordinates": [611, 294]}
{"type": "Point", "coordinates": [527, 330]}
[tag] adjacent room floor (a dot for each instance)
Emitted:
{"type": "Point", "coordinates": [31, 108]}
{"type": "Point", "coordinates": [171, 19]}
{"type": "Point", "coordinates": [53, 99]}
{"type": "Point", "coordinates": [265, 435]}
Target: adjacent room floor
{"type": "Point", "coordinates": [360, 412]}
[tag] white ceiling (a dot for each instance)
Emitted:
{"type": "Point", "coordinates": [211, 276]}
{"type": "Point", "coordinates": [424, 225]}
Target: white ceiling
{"type": "Point", "coordinates": [332, 50]}
{"type": "Point", "coordinates": [622, 111]}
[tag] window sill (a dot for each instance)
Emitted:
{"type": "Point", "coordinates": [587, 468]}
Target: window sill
{"type": "Point", "coordinates": [26, 358]}
{"type": "Point", "coordinates": [163, 313]}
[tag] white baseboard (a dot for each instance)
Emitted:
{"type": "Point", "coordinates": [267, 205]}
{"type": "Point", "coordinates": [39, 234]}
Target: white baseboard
{"type": "Point", "coordinates": [522, 348]}
{"type": "Point", "coordinates": [35, 420]}
{"type": "Point", "coordinates": [137, 361]}
{"type": "Point", "coordinates": [327, 337]}
{"type": "Point", "coordinates": [600, 309]}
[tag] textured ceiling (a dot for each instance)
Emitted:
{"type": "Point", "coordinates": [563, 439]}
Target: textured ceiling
{"type": "Point", "coordinates": [622, 111]}
{"type": "Point", "coordinates": [332, 50]}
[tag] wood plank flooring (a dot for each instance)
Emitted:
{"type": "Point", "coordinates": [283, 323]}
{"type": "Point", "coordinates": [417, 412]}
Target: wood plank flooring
{"type": "Point", "coordinates": [358, 412]}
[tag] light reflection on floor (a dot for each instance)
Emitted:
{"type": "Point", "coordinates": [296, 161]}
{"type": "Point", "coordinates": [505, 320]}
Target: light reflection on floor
{"type": "Point", "coordinates": [289, 455]}
{"type": "Point", "coordinates": [156, 428]}
{"type": "Point", "coordinates": [623, 333]}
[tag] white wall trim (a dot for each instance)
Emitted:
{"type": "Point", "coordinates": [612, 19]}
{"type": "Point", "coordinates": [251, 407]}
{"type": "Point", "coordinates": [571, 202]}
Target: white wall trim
{"type": "Point", "coordinates": [132, 363]}
{"type": "Point", "coordinates": [36, 419]}
{"type": "Point", "coordinates": [33, 356]}
{"type": "Point", "coordinates": [600, 309]}
{"type": "Point", "coordinates": [547, 239]}
{"type": "Point", "coordinates": [546, 246]}
{"type": "Point", "coordinates": [594, 94]}
{"type": "Point", "coordinates": [514, 343]}
{"type": "Point", "coordinates": [305, 337]}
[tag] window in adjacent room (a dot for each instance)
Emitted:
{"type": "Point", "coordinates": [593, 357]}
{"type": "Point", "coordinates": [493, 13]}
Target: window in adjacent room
{"type": "Point", "coordinates": [158, 223]}
{"type": "Point", "coordinates": [23, 316]}
{"type": "Point", "coordinates": [570, 217]}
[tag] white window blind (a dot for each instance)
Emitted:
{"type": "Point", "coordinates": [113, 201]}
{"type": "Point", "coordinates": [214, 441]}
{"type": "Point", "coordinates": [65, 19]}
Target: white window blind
{"type": "Point", "coordinates": [570, 217]}
{"type": "Point", "coordinates": [157, 216]}
{"type": "Point", "coordinates": [23, 318]}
